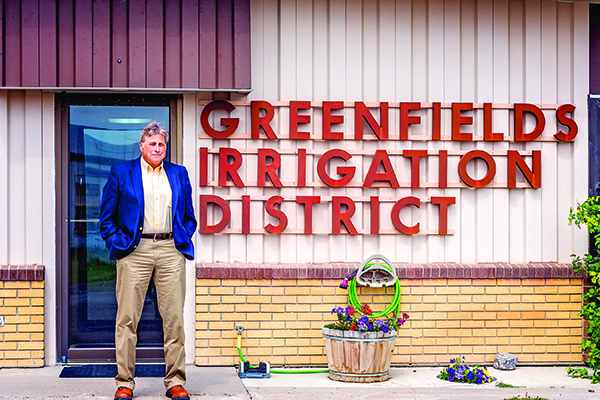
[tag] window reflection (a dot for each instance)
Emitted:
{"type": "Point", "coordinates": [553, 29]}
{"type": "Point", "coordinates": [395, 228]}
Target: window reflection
{"type": "Point", "coordinates": [100, 136]}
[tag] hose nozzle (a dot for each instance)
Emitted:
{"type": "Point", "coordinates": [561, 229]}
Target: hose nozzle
{"type": "Point", "coordinates": [344, 283]}
{"type": "Point", "coordinates": [239, 328]}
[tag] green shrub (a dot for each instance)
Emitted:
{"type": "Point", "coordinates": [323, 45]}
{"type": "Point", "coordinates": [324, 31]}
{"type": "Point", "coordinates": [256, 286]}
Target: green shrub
{"type": "Point", "coordinates": [588, 214]}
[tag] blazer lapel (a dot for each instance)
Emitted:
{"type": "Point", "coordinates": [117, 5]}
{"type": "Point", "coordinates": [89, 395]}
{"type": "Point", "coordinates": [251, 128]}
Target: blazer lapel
{"type": "Point", "coordinates": [174, 186]}
{"type": "Point", "coordinates": [138, 186]}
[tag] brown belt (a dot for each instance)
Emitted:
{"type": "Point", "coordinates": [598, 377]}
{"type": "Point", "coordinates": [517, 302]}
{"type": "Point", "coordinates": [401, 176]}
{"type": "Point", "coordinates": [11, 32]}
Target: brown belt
{"type": "Point", "coordinates": [158, 236]}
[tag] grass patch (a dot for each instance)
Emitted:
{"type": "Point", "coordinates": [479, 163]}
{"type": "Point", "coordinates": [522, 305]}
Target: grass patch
{"type": "Point", "coordinates": [518, 397]}
{"type": "Point", "coordinates": [507, 385]}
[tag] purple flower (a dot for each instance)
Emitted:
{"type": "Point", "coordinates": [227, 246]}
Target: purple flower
{"type": "Point", "coordinates": [348, 318]}
{"type": "Point", "coordinates": [450, 378]}
{"type": "Point", "coordinates": [478, 381]}
{"type": "Point", "coordinates": [470, 375]}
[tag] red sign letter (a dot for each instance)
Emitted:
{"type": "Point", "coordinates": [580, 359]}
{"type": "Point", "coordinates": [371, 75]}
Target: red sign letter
{"type": "Point", "coordinates": [563, 119]}
{"type": "Point", "coordinates": [203, 173]}
{"type": "Point", "coordinates": [415, 175]}
{"type": "Point", "coordinates": [338, 218]}
{"type": "Point", "coordinates": [436, 127]}
{"type": "Point", "coordinates": [301, 167]}
{"type": "Point", "coordinates": [296, 119]}
{"type": "Point", "coordinates": [381, 157]}
{"type": "Point", "coordinates": [515, 160]}
{"type": "Point", "coordinates": [283, 221]}
{"type": "Point", "coordinates": [203, 226]}
{"type": "Point", "coordinates": [464, 175]}
{"type": "Point", "coordinates": [443, 169]}
{"type": "Point", "coordinates": [262, 122]}
{"type": "Point", "coordinates": [520, 109]}
{"type": "Point", "coordinates": [361, 111]}
{"type": "Point", "coordinates": [443, 203]}
{"type": "Point", "coordinates": [268, 169]}
{"type": "Point", "coordinates": [457, 121]}
{"type": "Point", "coordinates": [229, 169]}
{"type": "Point", "coordinates": [245, 214]}
{"type": "Point", "coordinates": [405, 119]}
{"type": "Point", "coordinates": [374, 215]}
{"type": "Point", "coordinates": [329, 119]}
{"type": "Point", "coordinates": [346, 172]}
{"type": "Point", "coordinates": [407, 230]}
{"type": "Point", "coordinates": [308, 202]}
{"type": "Point", "coordinates": [231, 123]}
{"type": "Point", "coordinates": [487, 124]}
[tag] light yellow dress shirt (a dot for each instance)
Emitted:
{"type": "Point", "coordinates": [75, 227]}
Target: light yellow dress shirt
{"type": "Point", "coordinates": [158, 217]}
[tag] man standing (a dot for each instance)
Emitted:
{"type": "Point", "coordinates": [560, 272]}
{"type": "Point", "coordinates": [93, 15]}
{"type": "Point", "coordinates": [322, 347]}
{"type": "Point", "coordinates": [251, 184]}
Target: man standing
{"type": "Point", "coordinates": [147, 220]}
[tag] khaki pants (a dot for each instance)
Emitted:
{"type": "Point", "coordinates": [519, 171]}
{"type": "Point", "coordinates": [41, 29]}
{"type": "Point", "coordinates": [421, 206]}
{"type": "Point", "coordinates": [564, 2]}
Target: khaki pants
{"type": "Point", "coordinates": [162, 262]}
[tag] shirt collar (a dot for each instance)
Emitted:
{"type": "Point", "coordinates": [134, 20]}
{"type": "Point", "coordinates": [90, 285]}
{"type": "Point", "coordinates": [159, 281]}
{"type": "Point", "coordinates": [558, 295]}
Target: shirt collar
{"type": "Point", "coordinates": [148, 168]}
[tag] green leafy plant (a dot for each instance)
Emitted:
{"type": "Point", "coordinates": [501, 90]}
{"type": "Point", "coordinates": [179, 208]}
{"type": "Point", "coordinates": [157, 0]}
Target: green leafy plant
{"type": "Point", "coordinates": [353, 319]}
{"type": "Point", "coordinates": [579, 373]}
{"type": "Point", "coordinates": [457, 371]}
{"type": "Point", "coordinates": [518, 397]}
{"type": "Point", "coordinates": [588, 214]}
{"type": "Point", "coordinates": [503, 385]}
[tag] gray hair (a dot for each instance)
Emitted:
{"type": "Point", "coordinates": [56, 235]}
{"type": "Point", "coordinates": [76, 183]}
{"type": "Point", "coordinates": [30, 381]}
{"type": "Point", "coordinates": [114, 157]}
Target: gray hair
{"type": "Point", "coordinates": [153, 128]}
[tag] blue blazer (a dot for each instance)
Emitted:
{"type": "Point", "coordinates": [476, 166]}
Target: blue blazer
{"type": "Point", "coordinates": [122, 208]}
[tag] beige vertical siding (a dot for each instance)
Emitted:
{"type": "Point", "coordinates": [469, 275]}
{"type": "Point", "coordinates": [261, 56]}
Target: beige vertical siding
{"type": "Point", "coordinates": [422, 51]}
{"type": "Point", "coordinates": [27, 190]}
{"type": "Point", "coordinates": [27, 200]}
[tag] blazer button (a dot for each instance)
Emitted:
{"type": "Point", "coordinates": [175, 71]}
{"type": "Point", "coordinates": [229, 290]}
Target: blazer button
{"type": "Point", "coordinates": [140, 228]}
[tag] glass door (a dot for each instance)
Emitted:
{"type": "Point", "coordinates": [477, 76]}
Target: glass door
{"type": "Point", "coordinates": [100, 135]}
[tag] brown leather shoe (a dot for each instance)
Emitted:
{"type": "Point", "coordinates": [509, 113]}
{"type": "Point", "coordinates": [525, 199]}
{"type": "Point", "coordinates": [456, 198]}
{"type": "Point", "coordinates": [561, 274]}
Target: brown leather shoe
{"type": "Point", "coordinates": [124, 393]}
{"type": "Point", "coordinates": [177, 392]}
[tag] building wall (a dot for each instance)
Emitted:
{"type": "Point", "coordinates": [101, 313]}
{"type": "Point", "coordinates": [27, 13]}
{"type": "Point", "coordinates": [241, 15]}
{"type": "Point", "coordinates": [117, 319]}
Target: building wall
{"type": "Point", "coordinates": [27, 190]}
{"type": "Point", "coordinates": [424, 51]}
{"type": "Point", "coordinates": [413, 51]}
{"type": "Point", "coordinates": [67, 44]}
{"type": "Point", "coordinates": [22, 338]}
{"type": "Point", "coordinates": [500, 52]}
{"type": "Point", "coordinates": [534, 319]}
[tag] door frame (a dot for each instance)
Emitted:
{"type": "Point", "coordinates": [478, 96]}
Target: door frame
{"type": "Point", "coordinates": [62, 102]}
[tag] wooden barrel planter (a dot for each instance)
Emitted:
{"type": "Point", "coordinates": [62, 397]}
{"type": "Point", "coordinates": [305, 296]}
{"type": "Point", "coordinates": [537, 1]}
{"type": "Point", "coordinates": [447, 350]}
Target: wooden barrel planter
{"type": "Point", "coordinates": [359, 356]}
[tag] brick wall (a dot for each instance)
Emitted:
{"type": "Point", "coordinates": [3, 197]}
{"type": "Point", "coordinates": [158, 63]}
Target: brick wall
{"type": "Point", "coordinates": [532, 317]}
{"type": "Point", "coordinates": [22, 306]}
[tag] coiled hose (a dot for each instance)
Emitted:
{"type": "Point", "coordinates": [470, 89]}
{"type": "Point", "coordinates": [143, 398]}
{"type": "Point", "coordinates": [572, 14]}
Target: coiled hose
{"type": "Point", "coordinates": [353, 298]}
{"type": "Point", "coordinates": [350, 280]}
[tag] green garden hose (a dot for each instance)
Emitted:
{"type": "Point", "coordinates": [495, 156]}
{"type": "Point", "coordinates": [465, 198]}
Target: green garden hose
{"type": "Point", "coordinates": [393, 307]}
{"type": "Point", "coordinates": [353, 301]}
{"type": "Point", "coordinates": [284, 371]}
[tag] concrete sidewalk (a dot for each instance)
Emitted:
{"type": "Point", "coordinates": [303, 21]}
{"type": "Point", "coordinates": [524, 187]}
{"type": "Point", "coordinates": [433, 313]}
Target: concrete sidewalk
{"type": "Point", "coordinates": [213, 383]}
